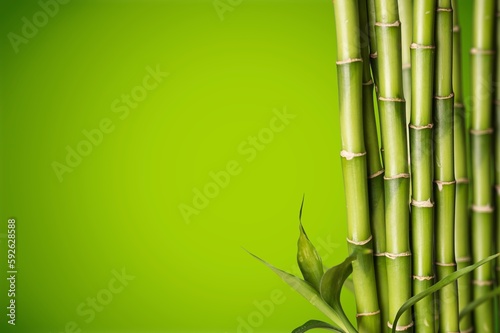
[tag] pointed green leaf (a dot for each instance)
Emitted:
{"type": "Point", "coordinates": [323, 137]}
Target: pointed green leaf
{"type": "Point", "coordinates": [333, 280]}
{"type": "Point", "coordinates": [443, 282]}
{"type": "Point", "coordinates": [312, 324]}
{"type": "Point", "coordinates": [332, 283]}
{"type": "Point", "coordinates": [312, 296]}
{"type": "Point", "coordinates": [477, 302]}
{"type": "Point", "coordinates": [309, 261]}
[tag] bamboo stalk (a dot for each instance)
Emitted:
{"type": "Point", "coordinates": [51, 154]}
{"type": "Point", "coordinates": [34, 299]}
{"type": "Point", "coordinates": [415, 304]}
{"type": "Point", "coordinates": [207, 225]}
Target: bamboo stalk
{"type": "Point", "coordinates": [405, 14]}
{"type": "Point", "coordinates": [422, 58]}
{"type": "Point", "coordinates": [462, 222]}
{"type": "Point", "coordinates": [370, 5]}
{"type": "Point", "coordinates": [497, 140]}
{"type": "Point", "coordinates": [350, 79]}
{"type": "Point", "coordinates": [375, 171]}
{"type": "Point", "coordinates": [481, 123]}
{"type": "Point", "coordinates": [396, 179]}
{"type": "Point", "coordinates": [374, 66]}
{"type": "Point", "coordinates": [444, 168]}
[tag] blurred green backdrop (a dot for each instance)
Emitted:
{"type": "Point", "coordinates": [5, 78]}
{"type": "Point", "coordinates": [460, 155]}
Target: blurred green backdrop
{"type": "Point", "coordinates": [103, 162]}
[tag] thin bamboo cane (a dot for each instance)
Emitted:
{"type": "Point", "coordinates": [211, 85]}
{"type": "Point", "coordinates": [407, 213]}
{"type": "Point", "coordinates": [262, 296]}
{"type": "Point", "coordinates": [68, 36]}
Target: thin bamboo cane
{"type": "Point", "coordinates": [374, 60]}
{"type": "Point", "coordinates": [375, 170]}
{"type": "Point", "coordinates": [406, 17]}
{"type": "Point", "coordinates": [481, 128]}
{"type": "Point", "coordinates": [462, 217]}
{"type": "Point", "coordinates": [444, 168]}
{"type": "Point", "coordinates": [421, 143]}
{"type": "Point", "coordinates": [350, 79]}
{"type": "Point", "coordinates": [497, 141]}
{"type": "Point", "coordinates": [394, 137]}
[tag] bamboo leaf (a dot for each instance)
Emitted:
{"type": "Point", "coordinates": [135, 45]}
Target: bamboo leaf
{"type": "Point", "coordinates": [308, 259]}
{"type": "Point", "coordinates": [333, 280]}
{"type": "Point", "coordinates": [309, 293]}
{"type": "Point", "coordinates": [332, 283]}
{"type": "Point", "coordinates": [477, 302]}
{"type": "Point", "coordinates": [443, 282]}
{"type": "Point", "coordinates": [312, 324]}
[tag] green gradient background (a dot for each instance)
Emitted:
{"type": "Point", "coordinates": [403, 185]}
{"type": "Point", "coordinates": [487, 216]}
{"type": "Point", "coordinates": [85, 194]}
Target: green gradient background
{"type": "Point", "coordinates": [119, 208]}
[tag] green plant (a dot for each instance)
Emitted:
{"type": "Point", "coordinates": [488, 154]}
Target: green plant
{"type": "Point", "coordinates": [395, 282]}
{"type": "Point", "coordinates": [444, 172]}
{"type": "Point", "coordinates": [421, 124]}
{"type": "Point", "coordinates": [481, 128]}
{"type": "Point", "coordinates": [462, 216]}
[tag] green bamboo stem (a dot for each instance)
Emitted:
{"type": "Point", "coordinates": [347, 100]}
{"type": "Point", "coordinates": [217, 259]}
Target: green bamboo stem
{"type": "Point", "coordinates": [481, 124]}
{"type": "Point", "coordinates": [396, 179]}
{"type": "Point", "coordinates": [444, 168]}
{"type": "Point", "coordinates": [497, 139]}
{"type": "Point", "coordinates": [422, 67]}
{"type": "Point", "coordinates": [462, 222]}
{"type": "Point", "coordinates": [375, 172]}
{"type": "Point", "coordinates": [350, 79]}
{"type": "Point", "coordinates": [406, 17]}
{"type": "Point", "coordinates": [374, 60]}
{"type": "Point", "coordinates": [373, 39]}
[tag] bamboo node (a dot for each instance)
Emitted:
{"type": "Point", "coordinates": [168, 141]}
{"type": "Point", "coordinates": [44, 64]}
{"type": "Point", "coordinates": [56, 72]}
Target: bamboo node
{"type": "Point", "coordinates": [423, 278]}
{"type": "Point", "coordinates": [400, 175]}
{"type": "Point", "coordinates": [393, 256]}
{"type": "Point", "coordinates": [349, 156]}
{"type": "Point", "coordinates": [360, 242]}
{"type": "Point", "coordinates": [481, 51]}
{"type": "Point", "coordinates": [497, 101]}
{"type": "Point", "coordinates": [381, 254]}
{"type": "Point", "coordinates": [416, 46]}
{"type": "Point", "coordinates": [366, 314]}
{"type": "Point", "coordinates": [349, 61]}
{"type": "Point", "coordinates": [482, 283]}
{"type": "Point", "coordinates": [444, 97]}
{"type": "Point", "coordinates": [456, 28]}
{"type": "Point", "coordinates": [406, 66]}
{"type": "Point", "coordinates": [462, 180]}
{"type": "Point", "coordinates": [391, 99]}
{"type": "Point", "coordinates": [374, 55]}
{"type": "Point", "coordinates": [440, 184]}
{"type": "Point", "coordinates": [481, 132]}
{"type": "Point", "coordinates": [463, 259]}
{"type": "Point", "coordinates": [482, 209]}
{"type": "Point", "coordinates": [469, 330]}
{"type": "Point", "coordinates": [422, 127]}
{"type": "Point", "coordinates": [376, 174]}
{"type": "Point", "coordinates": [497, 188]}
{"type": "Point", "coordinates": [443, 264]}
{"type": "Point", "coordinates": [442, 9]}
{"type": "Point", "coordinates": [422, 204]}
{"type": "Point", "coordinates": [388, 25]}
{"type": "Point", "coordinates": [458, 106]}
{"type": "Point", "coordinates": [368, 83]}
{"type": "Point", "coordinates": [400, 328]}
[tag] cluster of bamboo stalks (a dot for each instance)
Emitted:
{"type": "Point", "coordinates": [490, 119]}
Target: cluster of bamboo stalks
{"type": "Point", "coordinates": [421, 197]}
